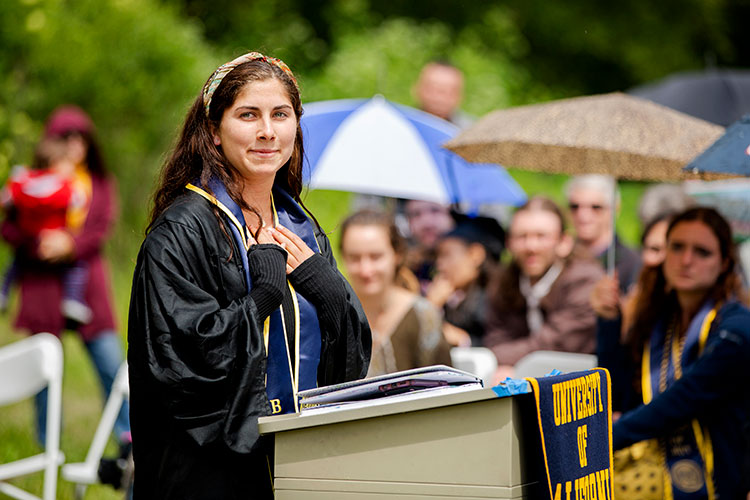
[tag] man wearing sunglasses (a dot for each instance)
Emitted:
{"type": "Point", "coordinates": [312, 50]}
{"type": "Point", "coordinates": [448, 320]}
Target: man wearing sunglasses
{"type": "Point", "coordinates": [591, 199]}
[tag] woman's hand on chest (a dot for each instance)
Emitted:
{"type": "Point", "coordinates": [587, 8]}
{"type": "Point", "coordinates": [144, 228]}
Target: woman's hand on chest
{"type": "Point", "coordinates": [296, 248]}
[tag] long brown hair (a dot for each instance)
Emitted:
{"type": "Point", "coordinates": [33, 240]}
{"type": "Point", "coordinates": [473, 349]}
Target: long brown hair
{"type": "Point", "coordinates": [197, 157]}
{"type": "Point", "coordinates": [655, 300]}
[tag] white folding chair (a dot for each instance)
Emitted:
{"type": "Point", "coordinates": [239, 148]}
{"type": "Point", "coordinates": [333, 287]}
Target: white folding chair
{"type": "Point", "coordinates": [27, 367]}
{"type": "Point", "coordinates": [479, 361]}
{"type": "Point", "coordinates": [540, 363]}
{"type": "Point", "coordinates": [86, 472]}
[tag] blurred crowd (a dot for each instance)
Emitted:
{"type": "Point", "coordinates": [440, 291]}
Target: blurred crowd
{"type": "Point", "coordinates": [667, 319]}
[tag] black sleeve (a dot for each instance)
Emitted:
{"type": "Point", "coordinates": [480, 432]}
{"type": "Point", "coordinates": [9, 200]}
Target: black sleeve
{"type": "Point", "coordinates": [615, 357]}
{"type": "Point", "coordinates": [346, 338]}
{"type": "Point", "coordinates": [267, 263]}
{"type": "Point", "coordinates": [317, 281]}
{"type": "Point", "coordinates": [196, 365]}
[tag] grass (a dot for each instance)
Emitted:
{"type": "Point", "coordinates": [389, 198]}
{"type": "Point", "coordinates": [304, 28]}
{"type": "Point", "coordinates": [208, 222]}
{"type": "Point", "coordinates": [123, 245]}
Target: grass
{"type": "Point", "coordinates": [82, 402]}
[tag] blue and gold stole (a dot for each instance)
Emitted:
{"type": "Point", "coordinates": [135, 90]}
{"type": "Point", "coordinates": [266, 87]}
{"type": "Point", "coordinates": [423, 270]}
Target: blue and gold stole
{"type": "Point", "coordinates": [687, 451]}
{"type": "Point", "coordinates": [292, 366]}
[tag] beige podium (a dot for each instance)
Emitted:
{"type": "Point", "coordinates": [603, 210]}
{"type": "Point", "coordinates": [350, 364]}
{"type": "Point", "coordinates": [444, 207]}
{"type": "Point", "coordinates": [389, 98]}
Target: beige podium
{"type": "Point", "coordinates": [454, 444]}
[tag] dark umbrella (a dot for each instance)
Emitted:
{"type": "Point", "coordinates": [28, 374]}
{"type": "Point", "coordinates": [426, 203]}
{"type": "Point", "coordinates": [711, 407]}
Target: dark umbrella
{"type": "Point", "coordinates": [730, 154]}
{"type": "Point", "coordinates": [719, 96]}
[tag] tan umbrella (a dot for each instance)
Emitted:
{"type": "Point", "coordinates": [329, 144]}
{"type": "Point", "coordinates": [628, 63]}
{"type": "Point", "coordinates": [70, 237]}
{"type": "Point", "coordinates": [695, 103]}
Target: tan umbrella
{"type": "Point", "coordinates": [616, 134]}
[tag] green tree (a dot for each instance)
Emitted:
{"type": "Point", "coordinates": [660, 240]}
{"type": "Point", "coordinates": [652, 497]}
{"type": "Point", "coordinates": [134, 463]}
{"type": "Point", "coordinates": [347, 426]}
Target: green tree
{"type": "Point", "coordinates": [387, 60]}
{"type": "Point", "coordinates": [568, 48]}
{"type": "Point", "coordinates": [134, 65]}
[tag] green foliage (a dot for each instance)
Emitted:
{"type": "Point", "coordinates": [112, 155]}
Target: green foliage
{"type": "Point", "coordinates": [387, 61]}
{"type": "Point", "coordinates": [132, 64]}
{"type": "Point", "coordinates": [287, 29]}
{"type": "Point", "coordinates": [586, 47]}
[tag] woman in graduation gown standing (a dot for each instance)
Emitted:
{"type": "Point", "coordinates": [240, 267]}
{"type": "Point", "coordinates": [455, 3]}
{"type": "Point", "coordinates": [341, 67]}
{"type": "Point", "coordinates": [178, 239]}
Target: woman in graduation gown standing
{"type": "Point", "coordinates": [237, 303]}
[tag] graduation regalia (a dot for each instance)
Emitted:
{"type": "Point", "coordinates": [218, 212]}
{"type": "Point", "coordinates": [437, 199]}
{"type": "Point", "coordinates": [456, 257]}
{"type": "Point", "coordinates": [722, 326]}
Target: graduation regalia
{"type": "Point", "coordinates": [204, 366]}
{"type": "Point", "coordinates": [686, 451]}
{"type": "Point", "coordinates": [696, 407]}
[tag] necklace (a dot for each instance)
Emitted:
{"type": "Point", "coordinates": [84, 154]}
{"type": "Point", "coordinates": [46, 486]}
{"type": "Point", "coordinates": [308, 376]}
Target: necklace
{"type": "Point", "coordinates": [674, 345]}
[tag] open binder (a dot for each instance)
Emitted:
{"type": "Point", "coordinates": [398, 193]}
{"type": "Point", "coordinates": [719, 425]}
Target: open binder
{"type": "Point", "coordinates": [392, 384]}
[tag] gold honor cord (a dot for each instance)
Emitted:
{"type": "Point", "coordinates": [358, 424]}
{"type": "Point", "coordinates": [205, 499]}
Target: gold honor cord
{"type": "Point", "coordinates": [646, 374]}
{"type": "Point", "coordinates": [293, 374]}
{"type": "Point", "coordinates": [705, 329]}
{"type": "Point", "coordinates": [295, 379]}
{"type": "Point", "coordinates": [702, 437]}
{"type": "Point", "coordinates": [224, 209]}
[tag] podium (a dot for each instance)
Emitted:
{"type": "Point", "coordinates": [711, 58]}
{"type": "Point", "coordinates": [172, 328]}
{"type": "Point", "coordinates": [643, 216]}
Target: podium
{"type": "Point", "coordinates": [452, 444]}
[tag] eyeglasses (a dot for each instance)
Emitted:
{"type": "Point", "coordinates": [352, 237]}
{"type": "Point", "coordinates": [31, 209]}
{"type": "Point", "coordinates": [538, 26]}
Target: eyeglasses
{"type": "Point", "coordinates": [574, 207]}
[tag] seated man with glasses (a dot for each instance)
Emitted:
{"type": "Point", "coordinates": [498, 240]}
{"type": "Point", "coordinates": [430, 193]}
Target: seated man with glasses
{"type": "Point", "coordinates": [540, 300]}
{"type": "Point", "coordinates": [591, 199]}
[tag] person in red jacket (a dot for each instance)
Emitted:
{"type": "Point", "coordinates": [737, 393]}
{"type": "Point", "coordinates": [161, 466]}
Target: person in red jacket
{"type": "Point", "coordinates": [43, 260]}
{"type": "Point", "coordinates": [42, 197]}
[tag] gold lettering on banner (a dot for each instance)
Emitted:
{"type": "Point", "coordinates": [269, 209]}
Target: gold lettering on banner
{"type": "Point", "coordinates": [582, 435]}
{"type": "Point", "coordinates": [594, 486]}
{"type": "Point", "coordinates": [576, 399]}
{"type": "Point", "coordinates": [558, 491]}
{"type": "Point", "coordinates": [275, 406]}
{"type": "Point", "coordinates": [572, 393]}
{"type": "Point", "coordinates": [580, 399]}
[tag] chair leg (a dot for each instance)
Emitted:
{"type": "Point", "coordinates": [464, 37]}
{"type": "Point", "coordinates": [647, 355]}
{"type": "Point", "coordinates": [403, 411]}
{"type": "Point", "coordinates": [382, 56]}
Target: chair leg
{"type": "Point", "coordinates": [80, 491]}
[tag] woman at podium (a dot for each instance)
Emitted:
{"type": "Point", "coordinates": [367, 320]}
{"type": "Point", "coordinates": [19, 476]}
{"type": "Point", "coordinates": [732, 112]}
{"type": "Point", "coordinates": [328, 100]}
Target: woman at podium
{"type": "Point", "coordinates": [237, 303]}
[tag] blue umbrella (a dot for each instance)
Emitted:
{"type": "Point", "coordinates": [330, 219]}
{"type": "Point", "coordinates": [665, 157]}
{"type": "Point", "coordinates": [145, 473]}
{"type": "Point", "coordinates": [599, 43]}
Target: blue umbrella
{"type": "Point", "coordinates": [730, 154]}
{"type": "Point", "coordinates": [373, 146]}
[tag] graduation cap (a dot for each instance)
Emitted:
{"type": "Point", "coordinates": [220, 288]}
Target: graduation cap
{"type": "Point", "coordinates": [479, 229]}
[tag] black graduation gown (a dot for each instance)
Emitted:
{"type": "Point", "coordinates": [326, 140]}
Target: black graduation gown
{"type": "Point", "coordinates": [197, 360]}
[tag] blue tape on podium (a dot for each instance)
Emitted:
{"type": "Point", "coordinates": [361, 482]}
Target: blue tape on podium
{"type": "Point", "coordinates": [512, 387]}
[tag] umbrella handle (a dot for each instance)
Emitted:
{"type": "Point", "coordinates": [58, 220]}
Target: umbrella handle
{"type": "Point", "coordinates": [611, 249]}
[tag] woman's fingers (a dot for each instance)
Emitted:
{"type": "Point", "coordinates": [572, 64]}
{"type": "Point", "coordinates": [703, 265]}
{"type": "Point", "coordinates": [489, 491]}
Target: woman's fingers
{"type": "Point", "coordinates": [296, 248]}
{"type": "Point", "coordinates": [291, 236]}
{"type": "Point", "coordinates": [264, 236]}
